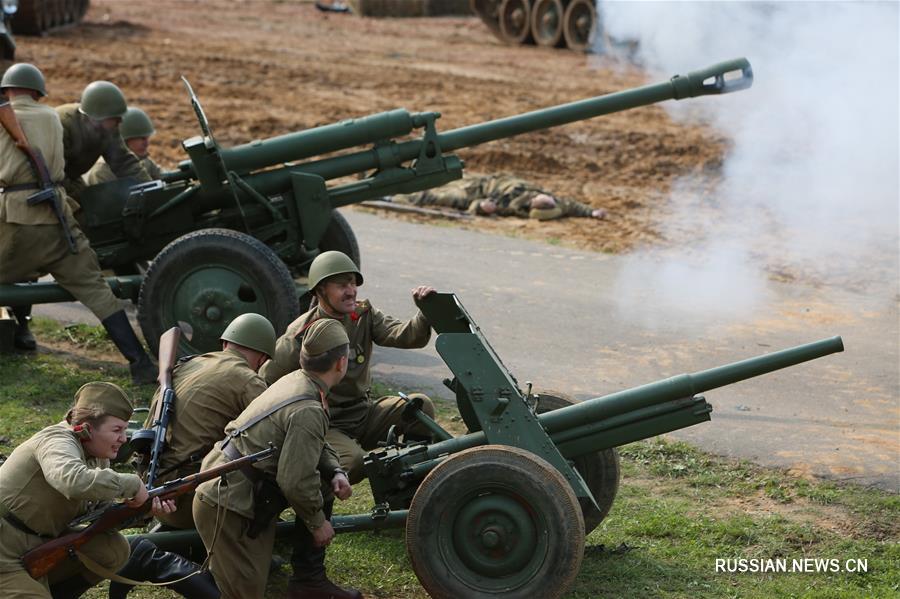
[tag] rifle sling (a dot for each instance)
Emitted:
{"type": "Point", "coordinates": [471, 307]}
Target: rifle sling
{"type": "Point", "coordinates": [236, 432]}
{"type": "Point", "coordinates": [99, 570]}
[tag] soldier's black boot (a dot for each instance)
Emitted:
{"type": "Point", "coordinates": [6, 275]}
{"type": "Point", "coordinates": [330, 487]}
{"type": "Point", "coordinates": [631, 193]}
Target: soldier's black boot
{"type": "Point", "coordinates": [70, 588]}
{"type": "Point", "coordinates": [23, 339]}
{"type": "Point", "coordinates": [143, 372]}
{"type": "Point", "coordinates": [309, 580]}
{"type": "Point", "coordinates": [148, 562]}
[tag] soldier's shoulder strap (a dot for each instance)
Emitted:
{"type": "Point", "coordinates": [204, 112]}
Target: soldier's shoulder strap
{"type": "Point", "coordinates": [282, 404]}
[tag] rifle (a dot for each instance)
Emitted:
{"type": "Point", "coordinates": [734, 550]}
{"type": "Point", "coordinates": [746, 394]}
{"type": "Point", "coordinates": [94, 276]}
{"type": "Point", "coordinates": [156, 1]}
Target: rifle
{"type": "Point", "coordinates": [150, 442]}
{"type": "Point", "coordinates": [43, 558]}
{"type": "Point", "coordinates": [47, 189]}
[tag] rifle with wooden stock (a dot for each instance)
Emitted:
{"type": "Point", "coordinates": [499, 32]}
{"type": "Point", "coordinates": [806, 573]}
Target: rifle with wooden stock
{"type": "Point", "coordinates": [43, 558]}
{"type": "Point", "coordinates": [47, 191]}
{"type": "Point", "coordinates": [150, 442]}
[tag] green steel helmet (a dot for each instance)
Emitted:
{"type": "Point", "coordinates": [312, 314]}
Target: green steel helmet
{"type": "Point", "coordinates": [103, 100]}
{"type": "Point", "coordinates": [136, 123]}
{"type": "Point", "coordinates": [26, 76]}
{"type": "Point", "coordinates": [253, 331]}
{"type": "Point", "coordinates": [328, 264]}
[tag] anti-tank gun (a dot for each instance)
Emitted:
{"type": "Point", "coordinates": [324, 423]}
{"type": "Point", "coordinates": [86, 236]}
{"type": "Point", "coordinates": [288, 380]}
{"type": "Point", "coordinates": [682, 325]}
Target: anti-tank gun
{"type": "Point", "coordinates": [230, 230]}
{"type": "Point", "coordinates": [504, 509]}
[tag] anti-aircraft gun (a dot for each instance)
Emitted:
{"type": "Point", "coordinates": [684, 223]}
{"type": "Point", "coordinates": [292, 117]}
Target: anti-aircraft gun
{"type": "Point", "coordinates": [231, 228]}
{"type": "Point", "coordinates": [504, 509]}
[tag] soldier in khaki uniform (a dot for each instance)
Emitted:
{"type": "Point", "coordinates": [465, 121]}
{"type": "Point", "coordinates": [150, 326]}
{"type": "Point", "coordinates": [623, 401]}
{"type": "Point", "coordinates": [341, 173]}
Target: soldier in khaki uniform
{"type": "Point", "coordinates": [91, 130]}
{"type": "Point", "coordinates": [136, 129]}
{"type": "Point", "coordinates": [503, 195]}
{"type": "Point", "coordinates": [293, 415]}
{"type": "Point", "coordinates": [58, 475]}
{"type": "Point", "coordinates": [210, 391]}
{"type": "Point", "coordinates": [31, 239]}
{"type": "Point", "coordinates": [357, 422]}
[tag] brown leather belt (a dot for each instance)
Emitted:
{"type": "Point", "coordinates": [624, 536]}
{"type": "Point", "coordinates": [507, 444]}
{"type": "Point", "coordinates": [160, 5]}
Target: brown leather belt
{"type": "Point", "coordinates": [18, 524]}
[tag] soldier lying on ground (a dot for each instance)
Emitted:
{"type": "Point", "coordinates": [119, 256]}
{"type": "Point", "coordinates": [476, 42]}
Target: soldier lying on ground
{"type": "Point", "coordinates": [357, 422]}
{"type": "Point", "coordinates": [503, 195]}
{"type": "Point", "coordinates": [31, 238]}
{"type": "Point", "coordinates": [293, 415]}
{"type": "Point", "coordinates": [56, 476]}
{"type": "Point", "coordinates": [136, 130]}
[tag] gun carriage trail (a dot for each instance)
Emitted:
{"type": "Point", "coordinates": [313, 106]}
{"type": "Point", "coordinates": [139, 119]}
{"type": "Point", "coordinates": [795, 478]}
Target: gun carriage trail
{"type": "Point", "coordinates": [264, 69]}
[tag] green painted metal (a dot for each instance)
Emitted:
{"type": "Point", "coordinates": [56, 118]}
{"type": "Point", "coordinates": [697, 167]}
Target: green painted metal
{"type": "Point", "coordinates": [277, 190]}
{"type": "Point", "coordinates": [487, 532]}
{"type": "Point", "coordinates": [126, 287]}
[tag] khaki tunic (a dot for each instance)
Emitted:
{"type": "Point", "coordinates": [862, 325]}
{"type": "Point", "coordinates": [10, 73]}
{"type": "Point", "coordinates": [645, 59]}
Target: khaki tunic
{"type": "Point", "coordinates": [31, 239]}
{"type": "Point", "coordinates": [348, 401]}
{"type": "Point", "coordinates": [101, 173]}
{"type": "Point", "coordinates": [44, 133]}
{"type": "Point", "coordinates": [47, 482]}
{"type": "Point", "coordinates": [84, 143]}
{"type": "Point", "coordinates": [302, 460]}
{"type": "Point", "coordinates": [511, 194]}
{"type": "Point", "coordinates": [211, 390]}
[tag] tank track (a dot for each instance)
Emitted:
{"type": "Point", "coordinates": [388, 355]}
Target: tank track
{"type": "Point", "coordinates": [37, 17]}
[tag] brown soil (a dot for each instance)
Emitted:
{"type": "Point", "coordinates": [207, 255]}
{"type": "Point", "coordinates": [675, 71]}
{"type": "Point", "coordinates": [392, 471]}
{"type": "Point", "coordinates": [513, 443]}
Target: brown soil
{"type": "Point", "coordinates": [267, 68]}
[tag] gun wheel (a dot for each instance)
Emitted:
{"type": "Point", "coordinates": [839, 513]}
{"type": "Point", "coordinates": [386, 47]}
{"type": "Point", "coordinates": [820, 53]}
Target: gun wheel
{"type": "Point", "coordinates": [495, 520]}
{"type": "Point", "coordinates": [600, 471]}
{"type": "Point", "coordinates": [206, 279]}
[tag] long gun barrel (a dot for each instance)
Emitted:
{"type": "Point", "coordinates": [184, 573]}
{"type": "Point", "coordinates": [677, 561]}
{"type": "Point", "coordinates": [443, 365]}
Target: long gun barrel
{"type": "Point", "coordinates": [648, 410]}
{"type": "Point", "coordinates": [717, 79]}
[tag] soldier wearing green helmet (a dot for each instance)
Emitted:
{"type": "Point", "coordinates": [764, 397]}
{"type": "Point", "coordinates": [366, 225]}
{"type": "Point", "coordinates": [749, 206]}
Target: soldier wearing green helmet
{"type": "Point", "coordinates": [304, 474]}
{"type": "Point", "coordinates": [210, 390]}
{"type": "Point", "coordinates": [136, 129]}
{"type": "Point", "coordinates": [30, 237]}
{"type": "Point", "coordinates": [91, 130]}
{"type": "Point", "coordinates": [358, 422]}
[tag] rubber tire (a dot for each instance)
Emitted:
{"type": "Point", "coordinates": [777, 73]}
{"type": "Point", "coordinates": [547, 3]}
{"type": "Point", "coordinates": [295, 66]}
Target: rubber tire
{"type": "Point", "coordinates": [244, 258]}
{"type": "Point", "coordinates": [340, 236]}
{"type": "Point", "coordinates": [601, 471]}
{"type": "Point", "coordinates": [514, 478]}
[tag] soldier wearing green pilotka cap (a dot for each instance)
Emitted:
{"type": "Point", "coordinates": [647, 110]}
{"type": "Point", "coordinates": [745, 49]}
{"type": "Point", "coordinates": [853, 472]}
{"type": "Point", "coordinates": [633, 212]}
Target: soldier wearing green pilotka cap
{"type": "Point", "coordinates": [59, 474]}
{"type": "Point", "coordinates": [136, 129]}
{"type": "Point", "coordinates": [358, 422]}
{"type": "Point", "coordinates": [292, 414]}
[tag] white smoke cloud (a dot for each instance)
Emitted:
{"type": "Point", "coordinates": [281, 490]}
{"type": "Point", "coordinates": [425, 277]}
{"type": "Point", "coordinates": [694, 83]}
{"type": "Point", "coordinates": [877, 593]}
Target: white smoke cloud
{"type": "Point", "coordinates": [811, 182]}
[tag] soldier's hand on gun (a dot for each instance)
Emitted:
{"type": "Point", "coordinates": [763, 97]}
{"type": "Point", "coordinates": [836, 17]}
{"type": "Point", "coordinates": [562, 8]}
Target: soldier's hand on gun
{"type": "Point", "coordinates": [422, 291]}
{"type": "Point", "coordinates": [322, 536]}
{"type": "Point", "coordinates": [157, 508]}
{"type": "Point", "coordinates": [161, 508]}
{"type": "Point", "coordinates": [340, 486]}
{"type": "Point", "coordinates": [140, 498]}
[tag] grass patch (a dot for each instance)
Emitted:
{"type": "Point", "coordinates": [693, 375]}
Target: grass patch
{"type": "Point", "coordinates": [678, 510]}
